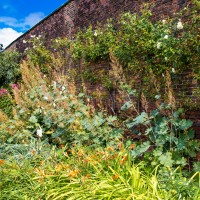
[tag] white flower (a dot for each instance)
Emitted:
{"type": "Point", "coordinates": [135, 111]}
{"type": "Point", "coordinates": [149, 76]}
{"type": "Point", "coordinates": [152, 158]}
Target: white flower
{"type": "Point", "coordinates": [39, 132]}
{"type": "Point", "coordinates": [159, 44]}
{"type": "Point", "coordinates": [54, 105]}
{"type": "Point", "coordinates": [45, 98]}
{"type": "Point", "coordinates": [39, 36]}
{"type": "Point", "coordinates": [95, 34]}
{"type": "Point", "coordinates": [32, 36]}
{"type": "Point", "coordinates": [54, 84]}
{"type": "Point", "coordinates": [163, 21]}
{"type": "Point", "coordinates": [24, 41]}
{"type": "Point", "coordinates": [166, 37]}
{"type": "Point", "coordinates": [63, 88]}
{"type": "Point", "coordinates": [166, 58]}
{"type": "Point", "coordinates": [173, 70]}
{"type": "Point", "coordinates": [179, 25]}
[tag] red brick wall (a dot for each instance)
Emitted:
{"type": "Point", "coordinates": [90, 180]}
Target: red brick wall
{"type": "Point", "coordinates": [78, 14]}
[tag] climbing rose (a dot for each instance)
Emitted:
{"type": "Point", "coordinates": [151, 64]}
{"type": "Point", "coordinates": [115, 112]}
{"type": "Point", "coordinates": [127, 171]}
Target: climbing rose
{"type": "Point", "coordinates": [166, 37]}
{"type": "Point", "coordinates": [95, 34]}
{"type": "Point", "coordinates": [159, 45]}
{"type": "Point", "coordinates": [179, 25]}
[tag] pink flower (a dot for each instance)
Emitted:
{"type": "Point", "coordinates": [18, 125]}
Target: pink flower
{"type": "Point", "coordinates": [14, 86]}
{"type": "Point", "coordinates": [3, 91]}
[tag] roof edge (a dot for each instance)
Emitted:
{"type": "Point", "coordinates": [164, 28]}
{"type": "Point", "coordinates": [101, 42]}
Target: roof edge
{"type": "Point", "coordinates": [39, 23]}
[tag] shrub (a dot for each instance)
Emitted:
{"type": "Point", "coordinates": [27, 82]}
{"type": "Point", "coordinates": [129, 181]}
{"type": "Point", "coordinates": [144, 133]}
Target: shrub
{"type": "Point", "coordinates": [5, 102]}
{"type": "Point", "coordinates": [55, 112]}
{"type": "Point", "coordinates": [9, 67]}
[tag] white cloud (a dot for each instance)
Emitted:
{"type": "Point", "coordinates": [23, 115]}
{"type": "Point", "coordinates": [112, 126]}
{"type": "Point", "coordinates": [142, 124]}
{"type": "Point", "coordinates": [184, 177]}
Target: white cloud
{"type": "Point", "coordinates": [33, 18]}
{"type": "Point", "coordinates": [24, 24]}
{"type": "Point", "coordinates": [7, 35]}
{"type": "Point", "coordinates": [9, 21]}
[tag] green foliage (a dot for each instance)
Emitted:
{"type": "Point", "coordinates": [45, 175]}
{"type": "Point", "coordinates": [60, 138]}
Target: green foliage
{"type": "Point", "coordinates": [92, 162]}
{"type": "Point", "coordinates": [9, 67]}
{"type": "Point", "coordinates": [141, 44]}
{"type": "Point", "coordinates": [93, 45]}
{"type": "Point", "coordinates": [170, 136]}
{"type": "Point", "coordinates": [63, 117]}
{"type": "Point", "coordinates": [85, 173]}
{"type": "Point", "coordinates": [6, 105]}
{"type": "Point", "coordinates": [39, 55]}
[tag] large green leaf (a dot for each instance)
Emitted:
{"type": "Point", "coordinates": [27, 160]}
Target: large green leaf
{"type": "Point", "coordinates": [141, 119]}
{"type": "Point", "coordinates": [33, 119]}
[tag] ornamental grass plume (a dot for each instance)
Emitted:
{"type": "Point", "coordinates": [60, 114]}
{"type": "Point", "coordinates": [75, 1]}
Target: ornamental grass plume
{"type": "Point", "coordinates": [3, 117]}
{"type": "Point", "coordinates": [169, 90]}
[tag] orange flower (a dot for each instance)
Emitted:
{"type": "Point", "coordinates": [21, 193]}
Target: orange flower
{"type": "Point", "coordinates": [73, 173]}
{"type": "Point", "coordinates": [132, 146]}
{"type": "Point", "coordinates": [80, 152]}
{"type": "Point", "coordinates": [121, 146]}
{"type": "Point", "coordinates": [61, 146]}
{"type": "Point", "coordinates": [58, 167]}
{"type": "Point", "coordinates": [72, 151]}
{"type": "Point", "coordinates": [87, 176]}
{"type": "Point", "coordinates": [110, 148]}
{"type": "Point", "coordinates": [115, 177]}
{"type": "Point", "coordinates": [2, 162]}
{"type": "Point", "coordinates": [125, 158]}
{"type": "Point", "coordinates": [33, 151]}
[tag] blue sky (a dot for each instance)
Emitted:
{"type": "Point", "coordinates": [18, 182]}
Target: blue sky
{"type": "Point", "coordinates": [18, 16]}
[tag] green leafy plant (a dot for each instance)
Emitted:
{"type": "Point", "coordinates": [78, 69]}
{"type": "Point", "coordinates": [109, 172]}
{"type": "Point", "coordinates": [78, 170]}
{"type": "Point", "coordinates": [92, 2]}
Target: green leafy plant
{"type": "Point", "coordinates": [5, 102]}
{"type": "Point", "coordinates": [170, 136]}
{"type": "Point", "coordinates": [9, 67]}
{"type": "Point", "coordinates": [53, 112]}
